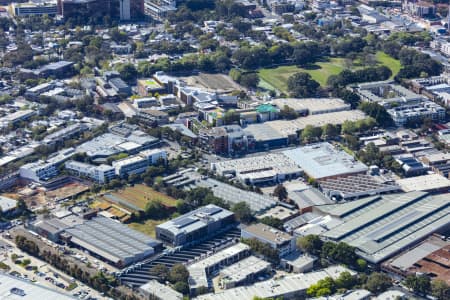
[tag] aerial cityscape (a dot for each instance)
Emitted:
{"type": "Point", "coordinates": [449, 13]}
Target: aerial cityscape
{"type": "Point", "coordinates": [224, 149]}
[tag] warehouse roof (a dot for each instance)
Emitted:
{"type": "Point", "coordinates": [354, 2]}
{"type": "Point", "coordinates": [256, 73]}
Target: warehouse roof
{"type": "Point", "coordinates": [356, 186]}
{"type": "Point", "coordinates": [276, 287]}
{"type": "Point", "coordinates": [268, 233]}
{"type": "Point", "coordinates": [309, 197]}
{"type": "Point", "coordinates": [161, 291]}
{"type": "Point", "coordinates": [322, 160]}
{"type": "Point", "coordinates": [233, 195]}
{"type": "Point", "coordinates": [112, 240]}
{"type": "Point", "coordinates": [269, 165]}
{"type": "Point", "coordinates": [246, 267]}
{"type": "Point", "coordinates": [313, 106]}
{"type": "Point", "coordinates": [264, 132]}
{"type": "Point", "coordinates": [381, 226]}
{"type": "Point", "coordinates": [291, 127]}
{"type": "Point", "coordinates": [424, 183]}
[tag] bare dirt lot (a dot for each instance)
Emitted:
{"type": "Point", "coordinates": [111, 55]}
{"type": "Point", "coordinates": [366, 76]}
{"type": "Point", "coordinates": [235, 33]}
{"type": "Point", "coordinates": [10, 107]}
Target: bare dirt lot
{"type": "Point", "coordinates": [67, 191]}
{"type": "Point", "coordinates": [220, 82]}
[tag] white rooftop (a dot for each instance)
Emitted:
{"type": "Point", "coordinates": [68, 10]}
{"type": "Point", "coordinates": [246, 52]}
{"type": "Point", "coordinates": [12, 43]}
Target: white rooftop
{"type": "Point", "coordinates": [322, 160]}
{"type": "Point", "coordinates": [423, 183]}
{"type": "Point", "coordinates": [162, 291]}
{"type": "Point", "coordinates": [276, 287]}
{"type": "Point", "coordinates": [13, 288]}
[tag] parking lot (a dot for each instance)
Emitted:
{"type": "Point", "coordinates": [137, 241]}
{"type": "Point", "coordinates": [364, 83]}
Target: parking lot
{"type": "Point", "coordinates": [40, 272]}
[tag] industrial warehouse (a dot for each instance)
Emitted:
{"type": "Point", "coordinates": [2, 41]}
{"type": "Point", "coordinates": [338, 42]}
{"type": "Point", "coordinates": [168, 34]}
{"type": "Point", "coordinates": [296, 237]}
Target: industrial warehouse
{"type": "Point", "coordinates": [112, 241]}
{"type": "Point", "coordinates": [381, 226]}
{"type": "Point", "coordinates": [230, 194]}
{"type": "Point", "coordinates": [323, 160]}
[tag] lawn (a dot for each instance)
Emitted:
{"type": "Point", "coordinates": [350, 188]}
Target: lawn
{"type": "Point", "coordinates": [320, 72]}
{"type": "Point", "coordinates": [147, 227]}
{"type": "Point", "coordinates": [139, 194]}
{"type": "Point", "coordinates": [276, 78]}
{"type": "Point", "coordinates": [390, 62]}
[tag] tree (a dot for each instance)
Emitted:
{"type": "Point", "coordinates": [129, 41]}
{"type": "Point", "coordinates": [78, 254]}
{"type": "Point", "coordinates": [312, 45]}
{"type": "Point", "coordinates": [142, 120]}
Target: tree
{"type": "Point", "coordinates": [419, 284]}
{"type": "Point", "coordinates": [155, 209]}
{"type": "Point", "coordinates": [378, 282]}
{"type": "Point", "coordinates": [127, 71]}
{"type": "Point", "coordinates": [311, 244]}
{"type": "Point", "coordinates": [161, 271]}
{"type": "Point", "coordinates": [329, 131]}
{"type": "Point", "coordinates": [242, 212]}
{"type": "Point", "coordinates": [273, 222]}
{"type": "Point", "coordinates": [377, 112]}
{"type": "Point", "coordinates": [21, 205]}
{"type": "Point", "coordinates": [310, 133]}
{"type": "Point", "coordinates": [178, 273]}
{"type": "Point", "coordinates": [361, 264]}
{"type": "Point", "coordinates": [280, 192]}
{"type": "Point", "coordinates": [346, 281]}
{"type": "Point", "coordinates": [440, 289]}
{"type": "Point", "coordinates": [323, 287]}
{"type": "Point", "coordinates": [249, 80]}
{"type": "Point", "coordinates": [302, 85]}
{"type": "Point", "coordinates": [181, 287]}
{"type": "Point", "coordinates": [288, 113]}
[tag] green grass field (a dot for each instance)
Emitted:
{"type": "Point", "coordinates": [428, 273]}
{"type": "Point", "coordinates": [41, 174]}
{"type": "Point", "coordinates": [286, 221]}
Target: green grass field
{"type": "Point", "coordinates": [147, 227]}
{"type": "Point", "coordinates": [390, 62]}
{"type": "Point", "coordinates": [276, 78]}
{"type": "Point", "coordinates": [139, 194]}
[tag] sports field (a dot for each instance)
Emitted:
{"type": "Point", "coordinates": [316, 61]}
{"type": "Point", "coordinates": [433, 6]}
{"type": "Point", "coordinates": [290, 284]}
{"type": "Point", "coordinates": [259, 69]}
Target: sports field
{"type": "Point", "coordinates": [276, 78]}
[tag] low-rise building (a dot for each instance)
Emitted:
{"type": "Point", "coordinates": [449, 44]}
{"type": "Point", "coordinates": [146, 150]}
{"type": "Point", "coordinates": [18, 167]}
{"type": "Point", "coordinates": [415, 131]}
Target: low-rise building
{"type": "Point", "coordinates": [356, 186]}
{"type": "Point", "coordinates": [200, 271]}
{"type": "Point", "coordinates": [323, 161]}
{"type": "Point", "coordinates": [152, 117]}
{"type": "Point", "coordinates": [7, 205]}
{"type": "Point", "coordinates": [137, 164]}
{"type": "Point", "coordinates": [243, 272]}
{"type": "Point", "coordinates": [283, 242]}
{"type": "Point", "coordinates": [298, 262]}
{"type": "Point", "coordinates": [380, 227]}
{"type": "Point", "coordinates": [425, 183]}
{"type": "Point", "coordinates": [417, 112]}
{"type": "Point", "coordinates": [313, 106]}
{"type": "Point", "coordinates": [45, 169]}
{"type": "Point", "coordinates": [120, 140]}
{"type": "Point", "coordinates": [195, 226]}
{"type": "Point", "coordinates": [268, 168]}
{"type": "Point", "coordinates": [65, 133]}
{"type": "Point", "coordinates": [233, 195]}
{"type": "Point", "coordinates": [112, 241]}
{"type": "Point", "coordinates": [157, 291]}
{"type": "Point", "coordinates": [287, 287]}
{"type": "Point", "coordinates": [100, 174]}
{"type": "Point", "coordinates": [431, 256]}
{"type": "Point", "coordinates": [149, 87]}
{"type": "Point", "coordinates": [387, 94]}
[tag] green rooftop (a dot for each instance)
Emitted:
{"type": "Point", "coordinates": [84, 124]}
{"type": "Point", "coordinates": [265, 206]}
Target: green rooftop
{"type": "Point", "coordinates": [266, 108]}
